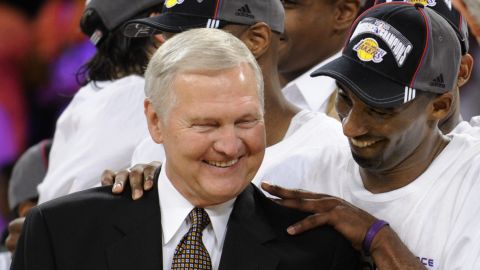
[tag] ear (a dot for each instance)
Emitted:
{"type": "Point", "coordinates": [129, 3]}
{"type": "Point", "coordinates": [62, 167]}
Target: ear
{"type": "Point", "coordinates": [155, 125]}
{"type": "Point", "coordinates": [346, 12]}
{"type": "Point", "coordinates": [441, 106]}
{"type": "Point", "coordinates": [257, 38]}
{"type": "Point", "coordinates": [466, 67]}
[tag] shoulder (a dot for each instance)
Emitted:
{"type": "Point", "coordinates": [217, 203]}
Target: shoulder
{"type": "Point", "coordinates": [94, 206]}
{"type": "Point", "coordinates": [322, 245]}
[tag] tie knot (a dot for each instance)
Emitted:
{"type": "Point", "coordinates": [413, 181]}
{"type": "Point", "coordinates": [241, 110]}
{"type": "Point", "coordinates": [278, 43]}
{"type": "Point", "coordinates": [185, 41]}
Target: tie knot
{"type": "Point", "coordinates": [199, 219]}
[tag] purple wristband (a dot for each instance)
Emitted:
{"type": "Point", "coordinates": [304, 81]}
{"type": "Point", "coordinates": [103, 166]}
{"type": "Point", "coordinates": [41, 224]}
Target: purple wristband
{"type": "Point", "coordinates": [371, 233]}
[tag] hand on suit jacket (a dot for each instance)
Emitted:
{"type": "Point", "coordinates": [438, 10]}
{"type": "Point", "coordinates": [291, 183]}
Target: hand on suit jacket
{"type": "Point", "coordinates": [139, 177]}
{"type": "Point", "coordinates": [386, 249]}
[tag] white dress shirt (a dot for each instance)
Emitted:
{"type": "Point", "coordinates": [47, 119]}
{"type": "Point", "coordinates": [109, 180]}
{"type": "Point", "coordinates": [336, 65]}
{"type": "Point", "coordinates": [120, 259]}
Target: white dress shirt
{"type": "Point", "coordinates": [311, 93]}
{"type": "Point", "coordinates": [175, 222]}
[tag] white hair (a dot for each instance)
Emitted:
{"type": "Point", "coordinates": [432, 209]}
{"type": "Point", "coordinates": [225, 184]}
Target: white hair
{"type": "Point", "coordinates": [202, 49]}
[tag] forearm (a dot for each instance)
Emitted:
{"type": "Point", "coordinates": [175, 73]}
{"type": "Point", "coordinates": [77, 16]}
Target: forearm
{"type": "Point", "coordinates": [389, 252]}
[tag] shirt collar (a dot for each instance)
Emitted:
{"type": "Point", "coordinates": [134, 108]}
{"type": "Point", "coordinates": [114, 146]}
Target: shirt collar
{"type": "Point", "coordinates": [315, 91]}
{"type": "Point", "coordinates": [175, 209]}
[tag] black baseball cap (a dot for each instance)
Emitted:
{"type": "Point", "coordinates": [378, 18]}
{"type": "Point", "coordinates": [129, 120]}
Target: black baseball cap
{"type": "Point", "coordinates": [395, 49]}
{"type": "Point", "coordinates": [449, 12]}
{"type": "Point", "coordinates": [113, 14]}
{"type": "Point", "coordinates": [180, 15]}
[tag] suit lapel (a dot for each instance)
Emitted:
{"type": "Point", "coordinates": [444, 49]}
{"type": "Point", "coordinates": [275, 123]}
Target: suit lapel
{"type": "Point", "coordinates": [141, 246]}
{"type": "Point", "coordinates": [247, 232]}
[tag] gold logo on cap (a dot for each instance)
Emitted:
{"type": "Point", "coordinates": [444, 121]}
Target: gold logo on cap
{"type": "Point", "coordinates": [172, 3]}
{"type": "Point", "coordinates": [368, 50]}
{"type": "Point", "coordinates": [430, 3]}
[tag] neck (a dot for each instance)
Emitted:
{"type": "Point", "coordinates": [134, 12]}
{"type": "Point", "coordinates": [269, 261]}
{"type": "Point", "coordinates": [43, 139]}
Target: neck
{"type": "Point", "coordinates": [380, 181]}
{"type": "Point", "coordinates": [278, 111]}
{"type": "Point", "coordinates": [290, 75]}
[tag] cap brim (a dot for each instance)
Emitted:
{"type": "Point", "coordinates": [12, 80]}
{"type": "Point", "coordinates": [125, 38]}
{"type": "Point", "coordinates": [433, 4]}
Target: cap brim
{"type": "Point", "coordinates": [374, 89]}
{"type": "Point", "coordinates": [166, 22]}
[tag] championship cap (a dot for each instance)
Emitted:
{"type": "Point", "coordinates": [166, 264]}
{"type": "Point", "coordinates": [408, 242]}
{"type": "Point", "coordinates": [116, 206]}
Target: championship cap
{"type": "Point", "coordinates": [451, 14]}
{"type": "Point", "coordinates": [395, 49]}
{"type": "Point", "coordinates": [113, 13]}
{"type": "Point", "coordinates": [181, 15]}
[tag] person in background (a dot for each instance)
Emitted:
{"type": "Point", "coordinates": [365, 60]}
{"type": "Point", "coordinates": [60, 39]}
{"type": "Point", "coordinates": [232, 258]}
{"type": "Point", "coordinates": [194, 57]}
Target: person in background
{"type": "Point", "coordinates": [28, 172]}
{"type": "Point", "coordinates": [315, 33]}
{"type": "Point", "coordinates": [104, 121]}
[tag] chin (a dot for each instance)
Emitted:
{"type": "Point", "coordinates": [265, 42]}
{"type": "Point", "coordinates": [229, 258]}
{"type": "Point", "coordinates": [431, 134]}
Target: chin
{"type": "Point", "coordinates": [367, 163]}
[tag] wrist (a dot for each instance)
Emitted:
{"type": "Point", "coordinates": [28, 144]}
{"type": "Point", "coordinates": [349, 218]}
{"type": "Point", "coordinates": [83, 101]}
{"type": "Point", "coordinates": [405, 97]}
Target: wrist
{"type": "Point", "coordinates": [369, 244]}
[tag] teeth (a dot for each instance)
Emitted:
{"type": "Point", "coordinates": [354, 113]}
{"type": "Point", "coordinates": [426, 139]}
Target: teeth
{"type": "Point", "coordinates": [362, 144]}
{"type": "Point", "coordinates": [223, 164]}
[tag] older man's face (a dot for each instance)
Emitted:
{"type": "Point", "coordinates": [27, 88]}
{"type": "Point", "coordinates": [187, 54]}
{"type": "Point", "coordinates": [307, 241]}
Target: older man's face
{"type": "Point", "coordinates": [214, 135]}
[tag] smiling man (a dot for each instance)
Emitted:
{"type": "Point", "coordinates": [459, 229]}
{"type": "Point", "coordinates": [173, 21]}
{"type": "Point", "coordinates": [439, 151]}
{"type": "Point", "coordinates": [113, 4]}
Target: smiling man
{"type": "Point", "coordinates": [205, 104]}
{"type": "Point", "coordinates": [397, 77]}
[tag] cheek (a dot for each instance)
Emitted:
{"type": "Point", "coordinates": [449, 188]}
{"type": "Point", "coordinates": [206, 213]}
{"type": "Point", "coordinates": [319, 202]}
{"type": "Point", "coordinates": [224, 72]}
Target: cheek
{"type": "Point", "coordinates": [255, 140]}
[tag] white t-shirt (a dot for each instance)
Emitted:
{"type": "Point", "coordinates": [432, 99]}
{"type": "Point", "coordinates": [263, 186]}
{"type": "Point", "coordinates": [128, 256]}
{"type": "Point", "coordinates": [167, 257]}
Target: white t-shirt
{"type": "Point", "coordinates": [437, 216]}
{"type": "Point", "coordinates": [311, 93]}
{"type": "Point", "coordinates": [472, 128]}
{"type": "Point", "coordinates": [99, 129]}
{"type": "Point", "coordinates": [307, 129]}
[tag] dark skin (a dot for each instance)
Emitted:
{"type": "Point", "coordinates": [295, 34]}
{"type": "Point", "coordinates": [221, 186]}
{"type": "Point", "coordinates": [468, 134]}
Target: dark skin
{"type": "Point", "coordinates": [400, 148]}
{"type": "Point", "coordinates": [404, 140]}
{"type": "Point", "coordinates": [314, 31]}
{"type": "Point", "coordinates": [454, 118]}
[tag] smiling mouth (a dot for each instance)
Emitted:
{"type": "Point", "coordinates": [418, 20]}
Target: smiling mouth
{"type": "Point", "coordinates": [363, 143]}
{"type": "Point", "coordinates": [222, 164]}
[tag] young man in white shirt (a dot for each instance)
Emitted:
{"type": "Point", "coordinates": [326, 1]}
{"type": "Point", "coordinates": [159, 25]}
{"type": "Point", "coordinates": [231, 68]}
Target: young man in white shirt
{"type": "Point", "coordinates": [396, 85]}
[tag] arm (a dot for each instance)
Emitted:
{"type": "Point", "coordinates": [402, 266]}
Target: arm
{"type": "Point", "coordinates": [34, 249]}
{"type": "Point", "coordinates": [140, 178]}
{"type": "Point", "coordinates": [387, 250]}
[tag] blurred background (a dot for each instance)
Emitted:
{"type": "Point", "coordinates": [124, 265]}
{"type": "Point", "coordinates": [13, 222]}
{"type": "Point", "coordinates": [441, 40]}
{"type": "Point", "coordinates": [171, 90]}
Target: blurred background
{"type": "Point", "coordinates": [41, 50]}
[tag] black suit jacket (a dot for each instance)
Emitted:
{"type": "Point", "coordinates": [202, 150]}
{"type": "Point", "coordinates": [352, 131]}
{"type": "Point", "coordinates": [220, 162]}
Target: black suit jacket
{"type": "Point", "coordinates": [94, 229]}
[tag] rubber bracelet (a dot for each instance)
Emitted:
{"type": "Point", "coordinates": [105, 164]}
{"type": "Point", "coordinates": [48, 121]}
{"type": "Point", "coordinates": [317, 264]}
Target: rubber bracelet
{"type": "Point", "coordinates": [371, 233]}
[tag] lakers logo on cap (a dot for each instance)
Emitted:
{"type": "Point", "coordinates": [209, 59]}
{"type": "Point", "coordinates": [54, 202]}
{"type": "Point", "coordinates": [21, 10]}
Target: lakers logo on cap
{"type": "Point", "coordinates": [172, 3]}
{"type": "Point", "coordinates": [429, 3]}
{"type": "Point", "coordinates": [368, 50]}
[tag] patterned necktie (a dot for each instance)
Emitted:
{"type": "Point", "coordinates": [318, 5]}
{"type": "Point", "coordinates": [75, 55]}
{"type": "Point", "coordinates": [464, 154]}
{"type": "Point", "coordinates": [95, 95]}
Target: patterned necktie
{"type": "Point", "coordinates": [190, 253]}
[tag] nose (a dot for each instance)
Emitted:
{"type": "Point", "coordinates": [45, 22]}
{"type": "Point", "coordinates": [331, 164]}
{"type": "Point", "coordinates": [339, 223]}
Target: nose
{"type": "Point", "coordinates": [228, 142]}
{"type": "Point", "coordinates": [355, 123]}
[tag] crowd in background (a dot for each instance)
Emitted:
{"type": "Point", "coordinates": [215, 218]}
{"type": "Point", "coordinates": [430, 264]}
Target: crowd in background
{"type": "Point", "coordinates": [41, 51]}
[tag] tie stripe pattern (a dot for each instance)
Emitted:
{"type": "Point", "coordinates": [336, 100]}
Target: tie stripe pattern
{"type": "Point", "coordinates": [190, 253]}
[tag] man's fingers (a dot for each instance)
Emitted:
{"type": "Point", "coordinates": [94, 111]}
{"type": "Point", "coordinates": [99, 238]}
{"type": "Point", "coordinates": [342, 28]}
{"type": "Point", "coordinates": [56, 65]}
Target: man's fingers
{"type": "Point", "coordinates": [311, 205]}
{"type": "Point", "coordinates": [136, 180]}
{"type": "Point", "coordinates": [308, 223]}
{"type": "Point", "coordinates": [120, 179]}
{"type": "Point", "coordinates": [107, 178]}
{"type": "Point", "coordinates": [149, 174]}
{"type": "Point", "coordinates": [286, 193]}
